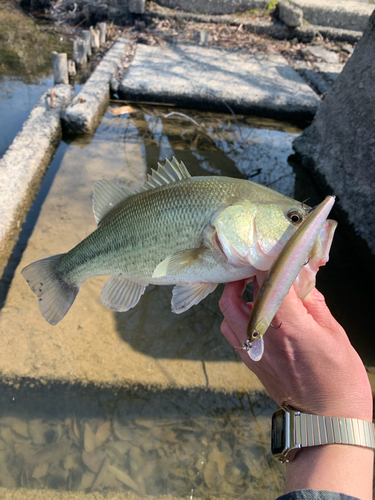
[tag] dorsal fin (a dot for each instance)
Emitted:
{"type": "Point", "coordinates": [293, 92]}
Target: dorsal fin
{"type": "Point", "coordinates": [107, 194]}
{"type": "Point", "coordinates": [165, 174]}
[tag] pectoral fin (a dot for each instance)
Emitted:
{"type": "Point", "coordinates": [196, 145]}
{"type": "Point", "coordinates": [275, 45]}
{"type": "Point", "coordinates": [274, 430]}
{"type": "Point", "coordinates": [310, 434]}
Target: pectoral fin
{"type": "Point", "coordinates": [185, 296]}
{"type": "Point", "coordinates": [120, 294]}
{"type": "Point", "coordinates": [175, 263]}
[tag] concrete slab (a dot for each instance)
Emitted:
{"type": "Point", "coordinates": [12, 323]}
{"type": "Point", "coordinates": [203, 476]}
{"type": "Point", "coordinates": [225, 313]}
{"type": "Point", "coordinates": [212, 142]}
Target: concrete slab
{"type": "Point", "coordinates": [25, 162]}
{"type": "Point", "coordinates": [89, 104]}
{"type": "Point", "coordinates": [203, 77]}
{"type": "Point", "coordinates": [329, 71]}
{"type": "Point", "coordinates": [328, 56]}
{"type": "Point", "coordinates": [146, 346]}
{"type": "Point", "coordinates": [343, 14]}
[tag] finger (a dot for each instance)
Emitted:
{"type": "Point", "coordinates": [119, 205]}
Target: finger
{"type": "Point", "coordinates": [316, 306]}
{"type": "Point", "coordinates": [229, 334]}
{"type": "Point", "coordinates": [236, 311]}
{"type": "Point", "coordinates": [235, 343]}
{"type": "Point", "coordinates": [290, 311]}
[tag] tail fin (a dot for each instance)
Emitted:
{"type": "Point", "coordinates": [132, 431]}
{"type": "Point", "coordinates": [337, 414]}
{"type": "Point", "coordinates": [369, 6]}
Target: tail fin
{"type": "Point", "coordinates": [55, 296]}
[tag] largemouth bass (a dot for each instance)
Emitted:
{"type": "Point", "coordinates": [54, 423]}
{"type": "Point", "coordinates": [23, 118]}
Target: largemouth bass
{"type": "Point", "coordinates": [192, 232]}
{"type": "Point", "coordinates": [285, 269]}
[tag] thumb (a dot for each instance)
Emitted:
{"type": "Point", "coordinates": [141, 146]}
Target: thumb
{"type": "Point", "coordinates": [316, 306]}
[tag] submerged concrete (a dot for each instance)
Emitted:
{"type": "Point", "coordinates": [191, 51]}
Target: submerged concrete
{"type": "Point", "coordinates": [89, 104]}
{"type": "Point", "coordinates": [147, 346]}
{"type": "Point", "coordinates": [213, 78]}
{"type": "Point", "coordinates": [25, 162]}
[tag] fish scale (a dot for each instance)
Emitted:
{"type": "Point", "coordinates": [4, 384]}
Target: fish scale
{"type": "Point", "coordinates": [194, 232]}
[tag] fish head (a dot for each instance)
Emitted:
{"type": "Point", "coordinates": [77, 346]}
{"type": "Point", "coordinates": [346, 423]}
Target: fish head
{"type": "Point", "coordinates": [253, 234]}
{"type": "Point", "coordinates": [318, 257]}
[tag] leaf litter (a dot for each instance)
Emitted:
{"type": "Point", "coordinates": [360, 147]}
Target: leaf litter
{"type": "Point", "coordinates": [148, 455]}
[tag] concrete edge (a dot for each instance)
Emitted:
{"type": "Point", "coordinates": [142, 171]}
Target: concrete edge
{"type": "Point", "coordinates": [292, 114]}
{"type": "Point", "coordinates": [24, 163]}
{"type": "Point", "coordinates": [83, 114]}
{"type": "Point", "coordinates": [279, 30]}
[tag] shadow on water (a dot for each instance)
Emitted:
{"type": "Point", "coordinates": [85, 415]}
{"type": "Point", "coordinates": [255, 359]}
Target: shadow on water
{"type": "Point", "coordinates": [198, 443]}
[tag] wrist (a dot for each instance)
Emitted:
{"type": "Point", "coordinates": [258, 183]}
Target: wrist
{"type": "Point", "coordinates": [334, 467]}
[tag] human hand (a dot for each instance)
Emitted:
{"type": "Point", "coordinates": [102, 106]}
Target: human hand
{"type": "Point", "coordinates": [308, 362]}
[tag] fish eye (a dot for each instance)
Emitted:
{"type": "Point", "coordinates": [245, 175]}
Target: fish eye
{"type": "Point", "coordinates": [295, 216]}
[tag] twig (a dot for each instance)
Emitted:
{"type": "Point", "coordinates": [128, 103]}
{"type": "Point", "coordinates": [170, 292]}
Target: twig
{"type": "Point", "coordinates": [183, 116]}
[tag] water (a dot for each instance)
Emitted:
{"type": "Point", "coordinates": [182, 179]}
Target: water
{"type": "Point", "coordinates": [174, 442]}
{"type": "Point", "coordinates": [25, 67]}
{"type": "Point", "coordinates": [160, 404]}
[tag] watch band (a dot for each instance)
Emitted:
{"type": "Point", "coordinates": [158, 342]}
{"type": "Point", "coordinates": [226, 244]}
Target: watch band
{"type": "Point", "coordinates": [293, 430]}
{"type": "Point", "coordinates": [315, 430]}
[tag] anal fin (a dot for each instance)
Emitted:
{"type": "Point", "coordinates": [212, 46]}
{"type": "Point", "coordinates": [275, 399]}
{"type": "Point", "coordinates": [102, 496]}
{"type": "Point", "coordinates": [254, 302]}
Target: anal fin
{"type": "Point", "coordinates": [186, 296]}
{"type": "Point", "coordinates": [120, 294]}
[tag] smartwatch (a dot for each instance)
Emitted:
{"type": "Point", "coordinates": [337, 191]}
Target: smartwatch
{"type": "Point", "coordinates": [293, 430]}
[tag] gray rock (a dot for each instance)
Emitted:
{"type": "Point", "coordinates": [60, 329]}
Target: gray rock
{"type": "Point", "coordinates": [114, 85]}
{"type": "Point", "coordinates": [329, 71]}
{"type": "Point", "coordinates": [210, 78]}
{"type": "Point", "coordinates": [339, 146]}
{"type": "Point", "coordinates": [322, 53]}
{"type": "Point", "coordinates": [289, 13]}
{"type": "Point", "coordinates": [86, 108]}
{"type": "Point", "coordinates": [137, 6]}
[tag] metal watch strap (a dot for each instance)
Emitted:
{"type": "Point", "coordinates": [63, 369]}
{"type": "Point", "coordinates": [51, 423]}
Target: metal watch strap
{"type": "Point", "coordinates": [315, 430]}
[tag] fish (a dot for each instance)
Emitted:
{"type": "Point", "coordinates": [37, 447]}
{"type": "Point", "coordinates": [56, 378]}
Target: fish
{"type": "Point", "coordinates": [296, 254]}
{"type": "Point", "coordinates": [191, 232]}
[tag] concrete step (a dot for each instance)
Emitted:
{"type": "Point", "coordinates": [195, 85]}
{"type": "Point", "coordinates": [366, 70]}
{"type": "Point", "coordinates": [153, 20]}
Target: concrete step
{"type": "Point", "coordinates": [342, 14]}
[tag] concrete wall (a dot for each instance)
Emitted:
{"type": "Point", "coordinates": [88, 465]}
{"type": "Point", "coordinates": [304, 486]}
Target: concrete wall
{"type": "Point", "coordinates": [215, 7]}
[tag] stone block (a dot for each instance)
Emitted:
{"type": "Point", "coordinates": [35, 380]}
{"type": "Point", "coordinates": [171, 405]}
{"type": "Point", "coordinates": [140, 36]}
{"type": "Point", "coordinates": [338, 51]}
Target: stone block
{"type": "Point", "coordinates": [137, 6]}
{"type": "Point", "coordinates": [289, 13]}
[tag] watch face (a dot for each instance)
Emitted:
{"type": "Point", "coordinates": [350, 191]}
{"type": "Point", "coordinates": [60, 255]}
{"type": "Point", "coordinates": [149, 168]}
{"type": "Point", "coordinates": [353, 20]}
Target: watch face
{"type": "Point", "coordinates": [278, 432]}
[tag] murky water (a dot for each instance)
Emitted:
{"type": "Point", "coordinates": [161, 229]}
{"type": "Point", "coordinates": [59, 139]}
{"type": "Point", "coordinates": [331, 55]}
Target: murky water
{"type": "Point", "coordinates": [187, 437]}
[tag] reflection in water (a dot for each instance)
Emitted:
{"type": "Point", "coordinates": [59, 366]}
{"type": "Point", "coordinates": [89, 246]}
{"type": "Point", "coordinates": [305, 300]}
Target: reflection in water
{"type": "Point", "coordinates": [178, 443]}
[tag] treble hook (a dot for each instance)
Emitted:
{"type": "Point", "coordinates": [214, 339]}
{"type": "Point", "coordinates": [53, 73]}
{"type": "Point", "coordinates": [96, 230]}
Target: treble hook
{"type": "Point", "coordinates": [276, 327]}
{"type": "Point", "coordinates": [245, 347]}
